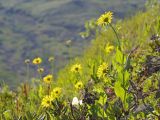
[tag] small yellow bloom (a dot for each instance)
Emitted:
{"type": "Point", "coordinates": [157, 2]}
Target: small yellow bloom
{"type": "Point", "coordinates": [40, 70]}
{"type": "Point", "coordinates": [79, 85]}
{"type": "Point", "coordinates": [56, 92]}
{"type": "Point", "coordinates": [76, 68]}
{"type": "Point", "coordinates": [27, 61]}
{"type": "Point", "coordinates": [37, 61]}
{"type": "Point", "coordinates": [51, 59]}
{"type": "Point", "coordinates": [48, 79]}
{"type": "Point", "coordinates": [46, 101]}
{"type": "Point", "coordinates": [109, 48]}
{"type": "Point", "coordinates": [105, 19]}
{"type": "Point", "coordinates": [102, 70]}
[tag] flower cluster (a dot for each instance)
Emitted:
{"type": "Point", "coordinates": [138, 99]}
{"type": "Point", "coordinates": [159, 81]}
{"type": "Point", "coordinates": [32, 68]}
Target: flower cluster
{"type": "Point", "coordinates": [48, 99]}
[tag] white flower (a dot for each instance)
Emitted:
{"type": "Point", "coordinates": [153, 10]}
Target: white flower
{"type": "Point", "coordinates": [75, 101]}
{"type": "Point", "coordinates": [80, 102]}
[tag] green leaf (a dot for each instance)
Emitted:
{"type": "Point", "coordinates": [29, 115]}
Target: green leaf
{"type": "Point", "coordinates": [126, 77]}
{"type": "Point", "coordinates": [119, 56]}
{"type": "Point", "coordinates": [128, 63]}
{"type": "Point", "coordinates": [120, 92]}
{"type": "Point", "coordinates": [102, 100]}
{"type": "Point", "coordinates": [7, 115]}
{"type": "Point", "coordinates": [120, 77]}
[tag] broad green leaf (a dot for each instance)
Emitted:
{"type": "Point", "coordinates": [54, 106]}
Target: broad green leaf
{"type": "Point", "coordinates": [120, 92]}
{"type": "Point", "coordinates": [126, 77]}
{"type": "Point", "coordinates": [120, 77]}
{"type": "Point", "coordinates": [119, 56]}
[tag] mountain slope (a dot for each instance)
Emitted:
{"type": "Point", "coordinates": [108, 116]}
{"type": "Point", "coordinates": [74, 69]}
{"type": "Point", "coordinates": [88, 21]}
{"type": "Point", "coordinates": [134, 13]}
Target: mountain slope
{"type": "Point", "coordinates": [32, 28]}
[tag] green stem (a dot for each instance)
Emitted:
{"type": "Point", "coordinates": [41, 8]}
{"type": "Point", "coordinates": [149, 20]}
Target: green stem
{"type": "Point", "coordinates": [72, 111]}
{"type": "Point", "coordinates": [123, 72]}
{"type": "Point", "coordinates": [119, 43]}
{"type": "Point", "coordinates": [103, 108]}
{"type": "Point", "coordinates": [25, 87]}
{"type": "Point", "coordinates": [52, 67]}
{"type": "Point", "coordinates": [69, 53]}
{"type": "Point", "coordinates": [27, 72]}
{"type": "Point", "coordinates": [40, 75]}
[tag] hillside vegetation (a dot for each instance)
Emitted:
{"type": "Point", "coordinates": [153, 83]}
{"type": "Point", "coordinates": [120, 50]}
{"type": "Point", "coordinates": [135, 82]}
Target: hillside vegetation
{"type": "Point", "coordinates": [40, 28]}
{"type": "Point", "coordinates": [117, 78]}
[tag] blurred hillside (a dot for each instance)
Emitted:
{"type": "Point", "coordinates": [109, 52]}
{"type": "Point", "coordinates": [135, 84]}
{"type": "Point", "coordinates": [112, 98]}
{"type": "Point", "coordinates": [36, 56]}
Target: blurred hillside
{"type": "Point", "coordinates": [32, 28]}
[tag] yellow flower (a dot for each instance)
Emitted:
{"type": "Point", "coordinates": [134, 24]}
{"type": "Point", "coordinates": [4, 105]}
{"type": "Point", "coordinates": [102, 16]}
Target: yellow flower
{"type": "Point", "coordinates": [79, 85]}
{"type": "Point", "coordinates": [102, 70]}
{"type": "Point", "coordinates": [48, 79]}
{"type": "Point", "coordinates": [76, 68]}
{"type": "Point", "coordinates": [40, 70]}
{"type": "Point", "coordinates": [109, 48]}
{"type": "Point", "coordinates": [105, 19]}
{"type": "Point", "coordinates": [51, 59]}
{"type": "Point", "coordinates": [56, 92]}
{"type": "Point", "coordinates": [27, 61]}
{"type": "Point", "coordinates": [46, 101]}
{"type": "Point", "coordinates": [37, 61]}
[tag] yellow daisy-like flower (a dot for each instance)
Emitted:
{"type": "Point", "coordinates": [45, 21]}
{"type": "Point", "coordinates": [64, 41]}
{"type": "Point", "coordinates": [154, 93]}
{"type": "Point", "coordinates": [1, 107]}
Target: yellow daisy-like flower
{"type": "Point", "coordinates": [37, 61]}
{"type": "Point", "coordinates": [76, 68]}
{"type": "Point", "coordinates": [51, 59]}
{"type": "Point", "coordinates": [79, 85]}
{"type": "Point", "coordinates": [102, 70]}
{"type": "Point", "coordinates": [105, 19]}
{"type": "Point", "coordinates": [48, 79]}
{"type": "Point", "coordinates": [109, 48]}
{"type": "Point", "coordinates": [40, 70]}
{"type": "Point", "coordinates": [46, 101]}
{"type": "Point", "coordinates": [56, 92]}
